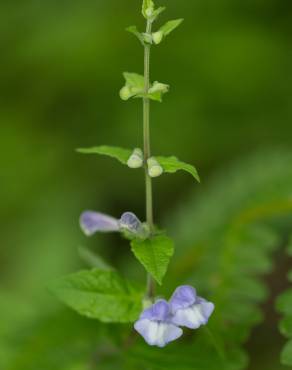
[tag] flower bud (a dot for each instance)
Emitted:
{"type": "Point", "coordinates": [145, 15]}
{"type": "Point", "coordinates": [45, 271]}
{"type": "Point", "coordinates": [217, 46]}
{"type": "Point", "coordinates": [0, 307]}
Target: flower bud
{"type": "Point", "coordinates": [157, 37]}
{"type": "Point", "coordinates": [129, 221]}
{"type": "Point", "coordinates": [154, 168]}
{"type": "Point", "coordinates": [149, 11]}
{"type": "Point", "coordinates": [147, 38]}
{"type": "Point", "coordinates": [125, 93]}
{"type": "Point", "coordinates": [136, 159]}
{"type": "Point", "coordinates": [158, 87]}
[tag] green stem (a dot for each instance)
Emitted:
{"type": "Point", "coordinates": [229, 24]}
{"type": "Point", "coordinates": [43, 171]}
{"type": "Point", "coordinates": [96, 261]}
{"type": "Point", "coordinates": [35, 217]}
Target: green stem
{"type": "Point", "coordinates": [147, 151]}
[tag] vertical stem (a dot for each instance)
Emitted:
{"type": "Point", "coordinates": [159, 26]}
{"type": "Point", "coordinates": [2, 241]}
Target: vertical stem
{"type": "Point", "coordinates": [147, 151]}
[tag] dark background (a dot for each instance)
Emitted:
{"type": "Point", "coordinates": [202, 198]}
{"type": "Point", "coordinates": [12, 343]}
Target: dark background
{"type": "Point", "coordinates": [229, 68]}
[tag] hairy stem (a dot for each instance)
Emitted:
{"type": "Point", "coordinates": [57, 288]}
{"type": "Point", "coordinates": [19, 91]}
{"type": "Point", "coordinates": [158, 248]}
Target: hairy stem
{"type": "Point", "coordinates": [147, 151]}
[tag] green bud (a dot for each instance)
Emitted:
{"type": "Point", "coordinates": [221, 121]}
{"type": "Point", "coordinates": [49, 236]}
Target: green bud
{"type": "Point", "coordinates": [157, 37]}
{"type": "Point", "coordinates": [148, 8]}
{"type": "Point", "coordinates": [158, 87]}
{"type": "Point", "coordinates": [149, 11]}
{"type": "Point", "coordinates": [125, 93]}
{"type": "Point", "coordinates": [147, 38]}
{"type": "Point", "coordinates": [154, 168]}
{"type": "Point", "coordinates": [136, 159]}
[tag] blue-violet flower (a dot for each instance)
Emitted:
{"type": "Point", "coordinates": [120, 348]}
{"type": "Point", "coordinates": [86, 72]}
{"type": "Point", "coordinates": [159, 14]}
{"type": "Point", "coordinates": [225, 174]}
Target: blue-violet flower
{"type": "Point", "coordinates": [92, 222]}
{"type": "Point", "coordinates": [155, 325]}
{"type": "Point", "coordinates": [188, 309]}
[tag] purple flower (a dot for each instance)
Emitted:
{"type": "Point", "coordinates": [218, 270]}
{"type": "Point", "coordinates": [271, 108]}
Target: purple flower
{"type": "Point", "coordinates": [188, 309]}
{"type": "Point", "coordinates": [92, 222]}
{"type": "Point", "coordinates": [155, 325]}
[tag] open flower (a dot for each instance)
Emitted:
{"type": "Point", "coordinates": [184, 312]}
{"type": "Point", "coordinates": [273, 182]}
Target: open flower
{"type": "Point", "coordinates": [188, 309]}
{"type": "Point", "coordinates": [92, 222]}
{"type": "Point", "coordinates": [155, 325]}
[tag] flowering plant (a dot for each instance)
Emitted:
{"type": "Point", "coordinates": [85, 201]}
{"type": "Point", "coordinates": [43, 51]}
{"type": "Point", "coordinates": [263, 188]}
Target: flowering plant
{"type": "Point", "coordinates": [113, 299]}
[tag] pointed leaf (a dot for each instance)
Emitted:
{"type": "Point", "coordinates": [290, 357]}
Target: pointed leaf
{"type": "Point", "coordinates": [121, 154]}
{"type": "Point", "coordinates": [134, 80]}
{"type": "Point", "coordinates": [172, 165]}
{"type": "Point", "coordinates": [154, 254]}
{"type": "Point", "coordinates": [135, 32]}
{"type": "Point", "coordinates": [135, 87]}
{"type": "Point", "coordinates": [157, 12]}
{"type": "Point", "coordinates": [165, 30]}
{"type": "Point", "coordinates": [101, 295]}
{"type": "Point", "coordinates": [170, 26]}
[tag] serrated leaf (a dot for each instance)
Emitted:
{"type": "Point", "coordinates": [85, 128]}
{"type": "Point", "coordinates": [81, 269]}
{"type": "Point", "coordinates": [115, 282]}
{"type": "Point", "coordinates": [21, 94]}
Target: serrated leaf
{"type": "Point", "coordinates": [121, 154]}
{"type": "Point", "coordinates": [170, 26]}
{"type": "Point", "coordinates": [286, 355]}
{"type": "Point", "coordinates": [172, 165]}
{"type": "Point", "coordinates": [101, 295]}
{"type": "Point", "coordinates": [154, 254]}
{"type": "Point", "coordinates": [135, 32]}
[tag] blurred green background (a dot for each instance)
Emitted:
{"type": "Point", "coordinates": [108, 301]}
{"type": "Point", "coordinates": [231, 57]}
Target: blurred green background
{"type": "Point", "coordinates": [229, 68]}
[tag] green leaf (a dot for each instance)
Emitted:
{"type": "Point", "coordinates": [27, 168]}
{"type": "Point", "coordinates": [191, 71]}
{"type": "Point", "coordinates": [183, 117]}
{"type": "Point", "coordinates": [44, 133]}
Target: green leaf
{"type": "Point", "coordinates": [157, 12]}
{"type": "Point", "coordinates": [286, 326]}
{"type": "Point", "coordinates": [135, 87]}
{"type": "Point", "coordinates": [134, 80]}
{"type": "Point", "coordinates": [157, 90]}
{"type": "Point", "coordinates": [154, 254]}
{"type": "Point", "coordinates": [170, 26]}
{"type": "Point", "coordinates": [172, 165]}
{"type": "Point", "coordinates": [101, 295]}
{"type": "Point", "coordinates": [286, 355]}
{"type": "Point", "coordinates": [135, 32]}
{"type": "Point", "coordinates": [165, 30]}
{"type": "Point", "coordinates": [284, 302]}
{"type": "Point", "coordinates": [147, 8]}
{"type": "Point", "coordinates": [121, 154]}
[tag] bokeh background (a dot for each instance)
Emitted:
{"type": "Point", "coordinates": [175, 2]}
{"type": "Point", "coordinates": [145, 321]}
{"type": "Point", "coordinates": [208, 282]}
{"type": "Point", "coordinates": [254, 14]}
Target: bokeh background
{"type": "Point", "coordinates": [229, 68]}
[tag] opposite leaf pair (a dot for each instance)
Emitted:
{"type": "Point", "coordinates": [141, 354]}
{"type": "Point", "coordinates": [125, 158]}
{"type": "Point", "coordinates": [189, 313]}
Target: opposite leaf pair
{"type": "Point", "coordinates": [160, 324]}
{"type": "Point", "coordinates": [136, 161]}
{"type": "Point", "coordinates": [135, 88]}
